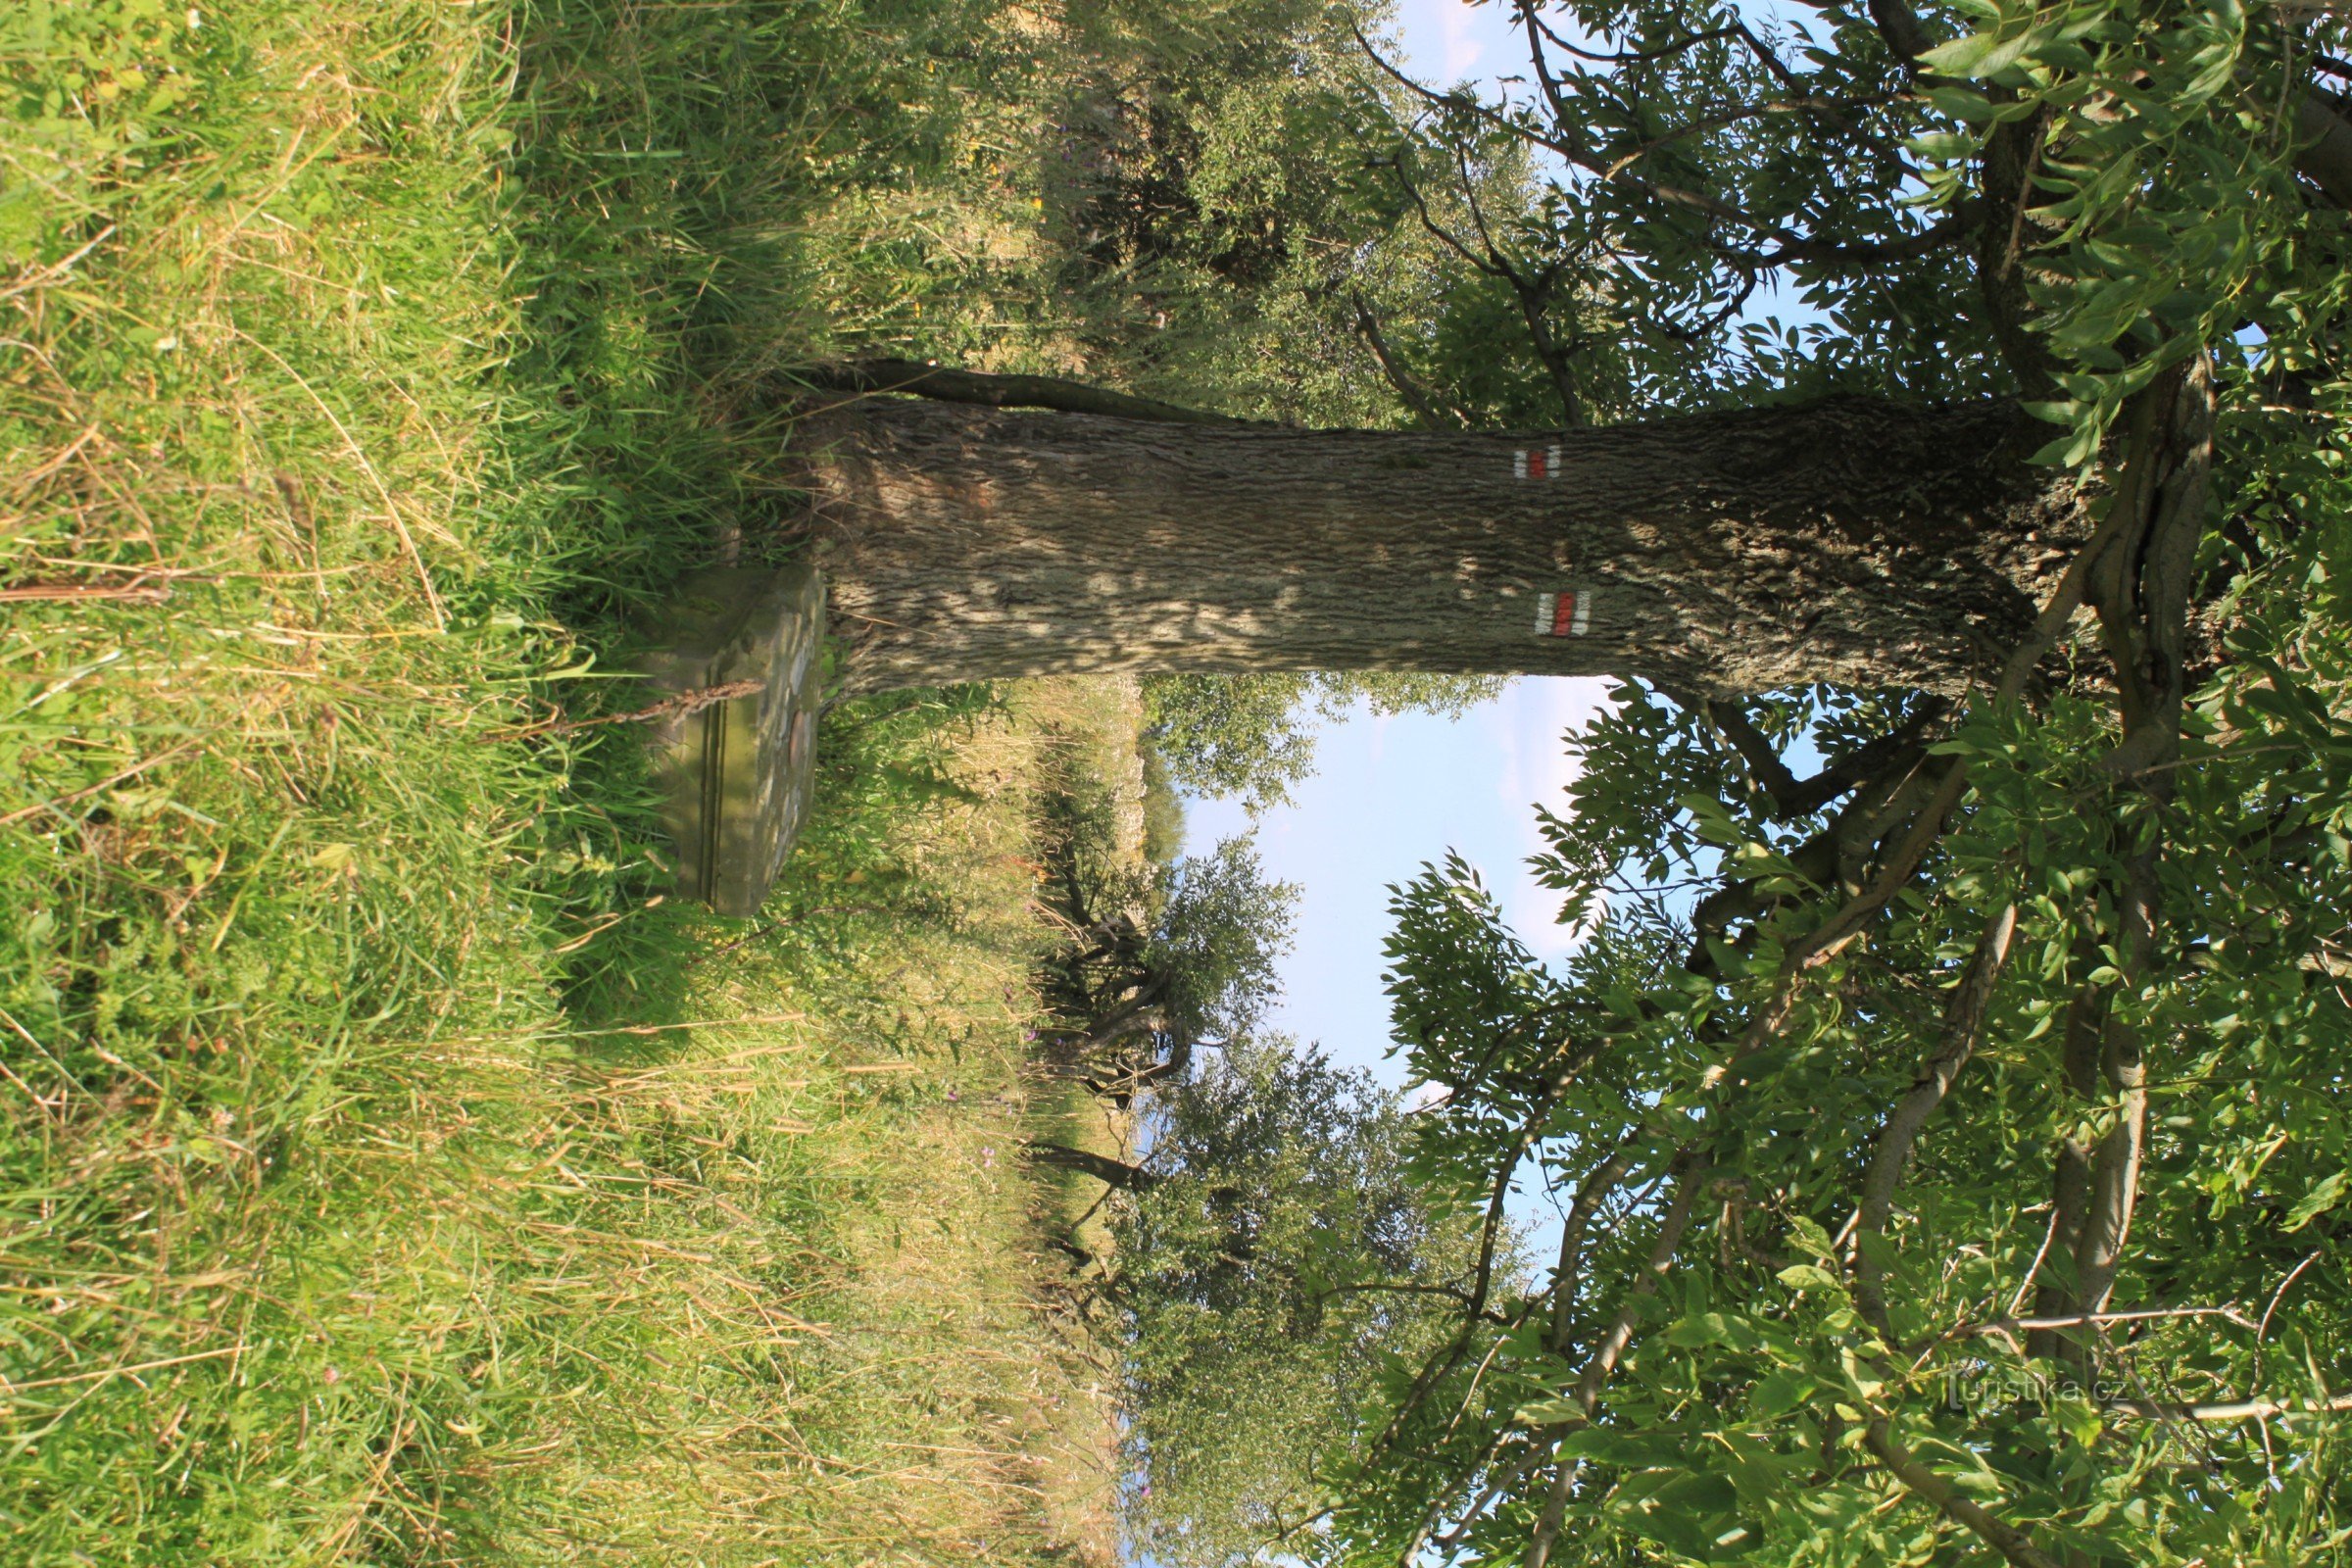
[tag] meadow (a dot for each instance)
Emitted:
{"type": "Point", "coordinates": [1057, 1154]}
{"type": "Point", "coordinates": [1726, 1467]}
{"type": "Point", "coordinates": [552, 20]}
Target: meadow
{"type": "Point", "coordinates": [390, 1171]}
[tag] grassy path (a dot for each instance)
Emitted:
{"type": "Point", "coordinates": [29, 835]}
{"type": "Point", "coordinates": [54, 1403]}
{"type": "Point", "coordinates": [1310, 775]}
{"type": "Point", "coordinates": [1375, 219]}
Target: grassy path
{"type": "Point", "coordinates": [388, 1174]}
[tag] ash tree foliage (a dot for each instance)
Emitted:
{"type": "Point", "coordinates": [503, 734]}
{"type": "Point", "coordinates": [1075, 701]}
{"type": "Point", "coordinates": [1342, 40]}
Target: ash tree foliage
{"type": "Point", "coordinates": [1160, 964]}
{"type": "Point", "coordinates": [1276, 1248]}
{"type": "Point", "coordinates": [1229, 242]}
{"type": "Point", "coordinates": [1206, 184]}
{"type": "Point", "coordinates": [1230, 236]}
{"type": "Point", "coordinates": [1945, 1104]}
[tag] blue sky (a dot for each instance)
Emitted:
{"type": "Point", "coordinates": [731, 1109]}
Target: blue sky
{"type": "Point", "coordinates": [1449, 41]}
{"type": "Point", "coordinates": [1389, 795]}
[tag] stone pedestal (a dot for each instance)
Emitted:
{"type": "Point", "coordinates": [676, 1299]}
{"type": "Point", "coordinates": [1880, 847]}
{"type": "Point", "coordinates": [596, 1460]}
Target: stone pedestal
{"type": "Point", "coordinates": [735, 772]}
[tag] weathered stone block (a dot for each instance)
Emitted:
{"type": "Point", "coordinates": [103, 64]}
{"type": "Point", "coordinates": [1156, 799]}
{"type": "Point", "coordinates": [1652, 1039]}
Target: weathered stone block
{"type": "Point", "coordinates": [735, 771]}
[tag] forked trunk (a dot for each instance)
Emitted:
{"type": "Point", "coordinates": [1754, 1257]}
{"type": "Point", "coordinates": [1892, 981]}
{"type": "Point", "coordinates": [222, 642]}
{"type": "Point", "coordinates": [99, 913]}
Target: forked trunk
{"type": "Point", "coordinates": [1852, 541]}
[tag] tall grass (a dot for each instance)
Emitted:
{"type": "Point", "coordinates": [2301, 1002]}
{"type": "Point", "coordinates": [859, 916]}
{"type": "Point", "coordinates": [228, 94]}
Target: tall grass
{"type": "Point", "coordinates": [388, 1172]}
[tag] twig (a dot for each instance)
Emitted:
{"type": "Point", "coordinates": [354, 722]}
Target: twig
{"type": "Point", "coordinates": [2263, 1330]}
{"type": "Point", "coordinates": [145, 591]}
{"type": "Point", "coordinates": [1496, 1486]}
{"type": "Point", "coordinates": [2232, 1410]}
{"type": "Point", "coordinates": [1963, 1030]}
{"type": "Point", "coordinates": [1571, 148]}
{"type": "Point", "coordinates": [1691, 1165]}
{"type": "Point", "coordinates": [55, 270]}
{"type": "Point", "coordinates": [2012, 1324]}
{"type": "Point", "coordinates": [1923, 1482]}
{"type": "Point", "coordinates": [106, 783]}
{"type": "Point", "coordinates": [108, 1372]}
{"type": "Point", "coordinates": [1422, 400]}
{"type": "Point", "coordinates": [950, 386]}
{"type": "Point", "coordinates": [1491, 1232]}
{"type": "Point", "coordinates": [689, 702]}
{"type": "Point", "coordinates": [23, 483]}
{"type": "Point", "coordinates": [1590, 1194]}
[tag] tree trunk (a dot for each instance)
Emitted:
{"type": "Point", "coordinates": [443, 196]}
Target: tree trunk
{"type": "Point", "coordinates": [1853, 541]}
{"type": "Point", "coordinates": [1110, 1172]}
{"type": "Point", "coordinates": [1142, 1015]}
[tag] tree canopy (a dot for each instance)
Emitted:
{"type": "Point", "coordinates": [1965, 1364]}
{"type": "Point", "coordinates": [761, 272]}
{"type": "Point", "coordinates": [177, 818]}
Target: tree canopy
{"type": "Point", "coordinates": [1944, 1103]}
{"type": "Point", "coordinates": [1280, 1249]}
{"type": "Point", "coordinates": [1165, 959]}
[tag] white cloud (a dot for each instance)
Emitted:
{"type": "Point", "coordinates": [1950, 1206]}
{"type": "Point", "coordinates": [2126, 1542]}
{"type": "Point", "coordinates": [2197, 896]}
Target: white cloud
{"type": "Point", "coordinates": [1536, 772]}
{"type": "Point", "coordinates": [1426, 1095]}
{"type": "Point", "coordinates": [1447, 39]}
{"type": "Point", "coordinates": [1463, 48]}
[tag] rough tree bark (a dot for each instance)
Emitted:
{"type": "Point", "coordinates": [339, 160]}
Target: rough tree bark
{"type": "Point", "coordinates": [1853, 541]}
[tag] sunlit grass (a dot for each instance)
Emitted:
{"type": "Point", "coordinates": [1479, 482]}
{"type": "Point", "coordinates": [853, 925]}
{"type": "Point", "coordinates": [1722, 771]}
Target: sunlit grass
{"type": "Point", "coordinates": [388, 1173]}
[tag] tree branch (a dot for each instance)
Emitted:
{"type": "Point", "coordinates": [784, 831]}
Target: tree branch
{"type": "Point", "coordinates": [1832, 935]}
{"type": "Point", "coordinates": [2143, 607]}
{"type": "Point", "coordinates": [1923, 1482]}
{"type": "Point", "coordinates": [2230, 1410]}
{"type": "Point", "coordinates": [2324, 145]}
{"type": "Point", "coordinates": [1852, 770]}
{"type": "Point", "coordinates": [1424, 402]}
{"type": "Point", "coordinates": [1438, 1363]}
{"type": "Point", "coordinates": [1576, 153]}
{"type": "Point", "coordinates": [1800, 103]}
{"type": "Point", "coordinates": [1625, 57]}
{"type": "Point", "coordinates": [2012, 154]}
{"type": "Point", "coordinates": [1692, 1165]}
{"type": "Point", "coordinates": [1590, 1194]}
{"type": "Point", "coordinates": [1762, 758]}
{"type": "Point", "coordinates": [1963, 1029]}
{"type": "Point", "coordinates": [1133, 1016]}
{"type": "Point", "coordinates": [1900, 26]}
{"type": "Point", "coordinates": [1569, 144]}
{"type": "Point", "coordinates": [1847, 255]}
{"type": "Point", "coordinates": [2054, 1299]}
{"type": "Point", "coordinates": [2114, 1172]}
{"type": "Point", "coordinates": [1884, 799]}
{"type": "Point", "coordinates": [1110, 1172]}
{"type": "Point", "coordinates": [867, 377]}
{"type": "Point", "coordinates": [1530, 1132]}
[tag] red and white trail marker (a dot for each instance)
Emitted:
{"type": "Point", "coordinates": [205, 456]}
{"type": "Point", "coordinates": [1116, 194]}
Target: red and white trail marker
{"type": "Point", "coordinates": [1566, 613]}
{"type": "Point", "coordinates": [1536, 463]}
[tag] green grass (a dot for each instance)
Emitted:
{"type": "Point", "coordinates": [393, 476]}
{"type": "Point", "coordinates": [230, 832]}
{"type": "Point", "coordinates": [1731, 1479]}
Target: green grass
{"type": "Point", "coordinates": [388, 1172]}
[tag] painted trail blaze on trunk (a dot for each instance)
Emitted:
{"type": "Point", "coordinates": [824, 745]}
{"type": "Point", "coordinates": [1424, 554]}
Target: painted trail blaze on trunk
{"type": "Point", "coordinates": [1852, 541]}
{"type": "Point", "coordinates": [1566, 613]}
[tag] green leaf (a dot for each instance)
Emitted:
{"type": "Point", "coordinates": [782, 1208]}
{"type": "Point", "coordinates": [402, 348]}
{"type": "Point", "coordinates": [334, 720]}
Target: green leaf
{"type": "Point", "coordinates": [1807, 1232]}
{"type": "Point", "coordinates": [1778, 1392]}
{"type": "Point", "coordinates": [1810, 1277]}
{"type": "Point", "coordinates": [2318, 1201]}
{"type": "Point", "coordinates": [1965, 104]}
{"type": "Point", "coordinates": [1547, 1413]}
{"type": "Point", "coordinates": [1713, 1328]}
{"type": "Point", "coordinates": [1980, 54]}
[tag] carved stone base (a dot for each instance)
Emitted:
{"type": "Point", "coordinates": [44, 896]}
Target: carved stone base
{"type": "Point", "coordinates": [735, 773]}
